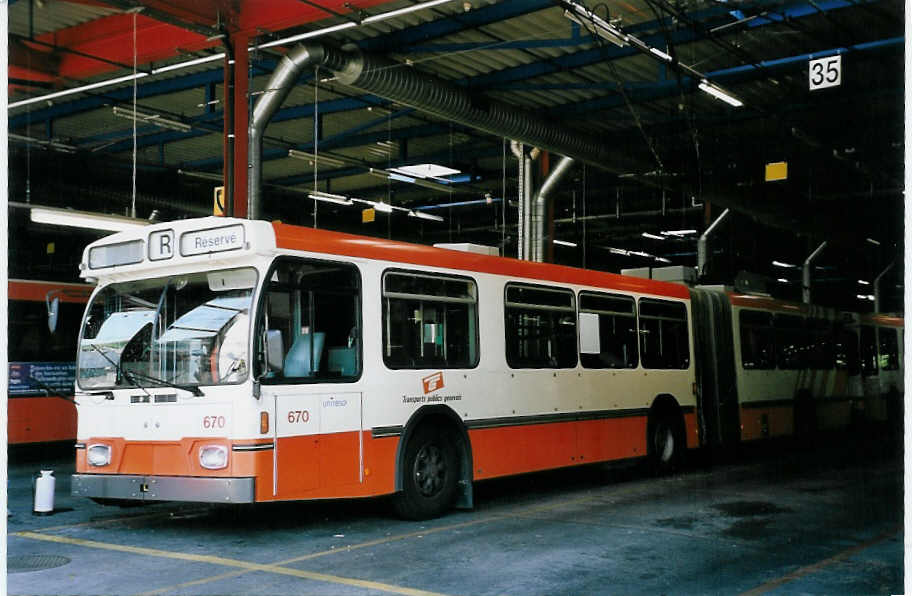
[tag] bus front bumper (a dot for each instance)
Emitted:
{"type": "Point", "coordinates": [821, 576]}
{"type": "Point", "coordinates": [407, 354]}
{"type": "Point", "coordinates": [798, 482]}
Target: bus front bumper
{"type": "Point", "coordinates": [163, 488]}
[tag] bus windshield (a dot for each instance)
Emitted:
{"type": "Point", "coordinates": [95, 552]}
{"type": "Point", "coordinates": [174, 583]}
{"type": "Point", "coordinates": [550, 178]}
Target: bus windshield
{"type": "Point", "coordinates": [187, 330]}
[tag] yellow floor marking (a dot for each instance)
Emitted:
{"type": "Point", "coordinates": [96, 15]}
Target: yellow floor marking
{"type": "Point", "coordinates": [245, 565]}
{"type": "Point", "coordinates": [129, 518]}
{"type": "Point", "coordinates": [377, 542]}
{"type": "Point", "coordinates": [814, 567]}
{"type": "Point", "coordinates": [334, 551]}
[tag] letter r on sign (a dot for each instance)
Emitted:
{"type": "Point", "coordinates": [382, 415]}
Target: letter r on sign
{"type": "Point", "coordinates": [161, 245]}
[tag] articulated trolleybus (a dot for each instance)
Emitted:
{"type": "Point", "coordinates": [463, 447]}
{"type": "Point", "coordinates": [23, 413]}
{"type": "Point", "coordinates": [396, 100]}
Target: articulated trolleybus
{"type": "Point", "coordinates": [239, 361]}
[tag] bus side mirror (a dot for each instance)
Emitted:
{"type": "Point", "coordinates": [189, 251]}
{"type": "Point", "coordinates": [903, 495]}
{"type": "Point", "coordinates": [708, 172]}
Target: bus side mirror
{"type": "Point", "coordinates": [53, 310]}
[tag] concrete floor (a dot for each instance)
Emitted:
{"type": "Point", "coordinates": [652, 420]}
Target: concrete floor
{"type": "Point", "coordinates": [826, 520]}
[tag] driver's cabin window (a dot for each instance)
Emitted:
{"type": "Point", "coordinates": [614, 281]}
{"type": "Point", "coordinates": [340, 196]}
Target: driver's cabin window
{"type": "Point", "coordinates": [309, 328]}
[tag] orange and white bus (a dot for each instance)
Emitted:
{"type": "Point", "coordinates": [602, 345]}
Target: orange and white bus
{"type": "Point", "coordinates": [41, 361]}
{"type": "Point", "coordinates": [225, 360]}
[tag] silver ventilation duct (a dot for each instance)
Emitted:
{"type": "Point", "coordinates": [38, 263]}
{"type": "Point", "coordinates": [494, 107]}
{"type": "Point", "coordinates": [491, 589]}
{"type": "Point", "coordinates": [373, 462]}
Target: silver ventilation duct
{"type": "Point", "coordinates": [540, 206]}
{"type": "Point", "coordinates": [402, 84]}
{"type": "Point", "coordinates": [277, 89]}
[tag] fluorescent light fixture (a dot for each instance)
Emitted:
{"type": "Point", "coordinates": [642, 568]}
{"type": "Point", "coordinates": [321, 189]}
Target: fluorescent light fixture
{"type": "Point", "coordinates": [423, 215]}
{"type": "Point", "coordinates": [783, 265]}
{"type": "Point", "coordinates": [189, 63]}
{"type": "Point", "coordinates": [564, 243]}
{"type": "Point", "coordinates": [329, 198]}
{"type": "Point", "coordinates": [383, 207]}
{"type": "Point", "coordinates": [662, 260]}
{"type": "Point", "coordinates": [653, 236]}
{"type": "Point", "coordinates": [863, 282]}
{"type": "Point", "coordinates": [320, 158]}
{"type": "Point", "coordinates": [679, 232]}
{"type": "Point", "coordinates": [660, 54]}
{"type": "Point", "coordinates": [872, 241]}
{"type": "Point", "coordinates": [617, 251]}
{"type": "Point", "coordinates": [214, 57]}
{"type": "Point", "coordinates": [718, 93]}
{"type": "Point", "coordinates": [864, 297]}
{"type": "Point", "coordinates": [309, 34]}
{"type": "Point", "coordinates": [401, 11]}
{"type": "Point", "coordinates": [640, 253]}
{"type": "Point", "coordinates": [782, 280]}
{"type": "Point", "coordinates": [50, 144]}
{"type": "Point", "coordinates": [145, 118]}
{"type": "Point", "coordinates": [399, 177]}
{"type": "Point", "coordinates": [84, 219]}
{"type": "Point", "coordinates": [591, 21]}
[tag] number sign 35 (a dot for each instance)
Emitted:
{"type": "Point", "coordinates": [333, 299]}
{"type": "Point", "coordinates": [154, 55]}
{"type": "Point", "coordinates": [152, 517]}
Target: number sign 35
{"type": "Point", "coordinates": [825, 72]}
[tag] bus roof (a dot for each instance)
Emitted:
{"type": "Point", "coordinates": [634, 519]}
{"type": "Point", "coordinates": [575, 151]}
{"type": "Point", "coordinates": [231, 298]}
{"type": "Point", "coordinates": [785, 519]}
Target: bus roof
{"type": "Point", "coordinates": [322, 241]}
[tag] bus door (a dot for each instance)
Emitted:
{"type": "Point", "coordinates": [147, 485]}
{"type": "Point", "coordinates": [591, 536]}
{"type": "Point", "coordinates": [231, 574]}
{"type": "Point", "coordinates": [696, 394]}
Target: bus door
{"type": "Point", "coordinates": [309, 338]}
{"type": "Point", "coordinates": [717, 393]}
{"type": "Point", "coordinates": [869, 373]}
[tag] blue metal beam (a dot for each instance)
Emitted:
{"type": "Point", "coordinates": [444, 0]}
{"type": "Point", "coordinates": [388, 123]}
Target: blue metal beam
{"type": "Point", "coordinates": [737, 74]}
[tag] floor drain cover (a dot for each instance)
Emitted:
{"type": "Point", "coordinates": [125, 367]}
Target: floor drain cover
{"type": "Point", "coordinates": [25, 563]}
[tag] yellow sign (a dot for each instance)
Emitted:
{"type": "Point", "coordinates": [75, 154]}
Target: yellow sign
{"type": "Point", "coordinates": [218, 201]}
{"type": "Point", "coordinates": [368, 215]}
{"type": "Point", "coordinates": [776, 171]}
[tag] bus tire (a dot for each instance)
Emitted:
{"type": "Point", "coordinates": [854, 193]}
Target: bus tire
{"type": "Point", "coordinates": [429, 475]}
{"type": "Point", "coordinates": [665, 448]}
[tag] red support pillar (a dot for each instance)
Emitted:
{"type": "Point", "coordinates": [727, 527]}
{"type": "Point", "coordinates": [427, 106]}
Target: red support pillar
{"type": "Point", "coordinates": [236, 69]}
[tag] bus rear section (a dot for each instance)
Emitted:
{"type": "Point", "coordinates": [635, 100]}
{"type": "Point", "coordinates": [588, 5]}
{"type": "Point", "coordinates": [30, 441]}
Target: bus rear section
{"type": "Point", "coordinates": [769, 368]}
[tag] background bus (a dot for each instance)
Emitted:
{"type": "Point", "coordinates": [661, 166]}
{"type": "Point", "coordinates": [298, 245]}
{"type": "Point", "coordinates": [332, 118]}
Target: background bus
{"type": "Point", "coordinates": [42, 363]}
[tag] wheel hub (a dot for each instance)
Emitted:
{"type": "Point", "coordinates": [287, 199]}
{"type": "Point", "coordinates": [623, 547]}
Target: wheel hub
{"type": "Point", "coordinates": [430, 470]}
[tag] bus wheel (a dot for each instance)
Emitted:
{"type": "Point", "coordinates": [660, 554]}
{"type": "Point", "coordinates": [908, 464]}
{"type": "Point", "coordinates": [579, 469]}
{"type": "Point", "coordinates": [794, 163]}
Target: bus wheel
{"type": "Point", "coordinates": [428, 475]}
{"type": "Point", "coordinates": [666, 444]}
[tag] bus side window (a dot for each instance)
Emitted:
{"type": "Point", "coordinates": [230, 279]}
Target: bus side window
{"type": "Point", "coordinates": [791, 342]}
{"type": "Point", "coordinates": [889, 349]}
{"type": "Point", "coordinates": [820, 354]}
{"type": "Point", "coordinates": [868, 350]}
{"type": "Point", "coordinates": [540, 327]}
{"type": "Point", "coordinates": [429, 320]}
{"type": "Point", "coordinates": [846, 349]}
{"type": "Point", "coordinates": [664, 340]}
{"type": "Point", "coordinates": [312, 310]}
{"type": "Point", "coordinates": [617, 330]}
{"type": "Point", "coordinates": [758, 340]}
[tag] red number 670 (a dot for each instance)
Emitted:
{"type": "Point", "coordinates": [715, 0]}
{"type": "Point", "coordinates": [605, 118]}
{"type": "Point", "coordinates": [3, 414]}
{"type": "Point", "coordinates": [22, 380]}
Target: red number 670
{"type": "Point", "coordinates": [298, 416]}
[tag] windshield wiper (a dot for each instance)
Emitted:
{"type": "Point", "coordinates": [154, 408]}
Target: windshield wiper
{"type": "Point", "coordinates": [119, 371]}
{"type": "Point", "coordinates": [194, 389]}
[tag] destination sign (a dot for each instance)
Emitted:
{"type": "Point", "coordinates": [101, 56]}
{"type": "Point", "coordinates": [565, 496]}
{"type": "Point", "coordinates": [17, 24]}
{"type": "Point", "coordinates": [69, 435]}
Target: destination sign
{"type": "Point", "coordinates": [214, 240]}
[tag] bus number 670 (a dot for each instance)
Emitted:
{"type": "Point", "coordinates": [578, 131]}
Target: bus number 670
{"type": "Point", "coordinates": [213, 422]}
{"type": "Point", "coordinates": [298, 416]}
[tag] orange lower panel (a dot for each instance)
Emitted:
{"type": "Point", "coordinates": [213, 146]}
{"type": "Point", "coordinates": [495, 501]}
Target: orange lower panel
{"type": "Point", "coordinates": [334, 466]}
{"type": "Point", "coordinates": [692, 430]}
{"type": "Point", "coordinates": [40, 420]}
{"type": "Point", "coordinates": [314, 467]}
{"type": "Point", "coordinates": [766, 423]}
{"type": "Point", "coordinates": [519, 449]}
{"type": "Point", "coordinates": [835, 415]}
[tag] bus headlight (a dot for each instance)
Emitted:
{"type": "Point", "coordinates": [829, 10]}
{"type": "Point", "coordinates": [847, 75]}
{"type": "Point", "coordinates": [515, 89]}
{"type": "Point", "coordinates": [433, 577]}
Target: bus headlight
{"type": "Point", "coordinates": [213, 457]}
{"type": "Point", "coordinates": [98, 454]}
